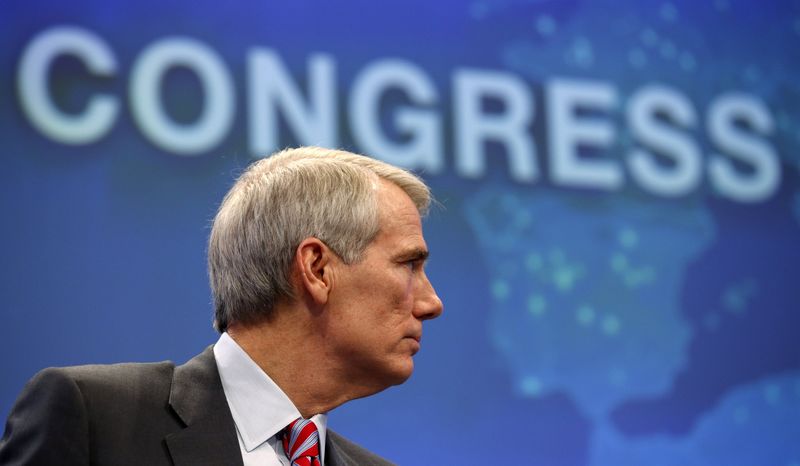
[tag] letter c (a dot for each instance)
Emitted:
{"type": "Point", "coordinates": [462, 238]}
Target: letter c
{"type": "Point", "coordinates": [98, 117]}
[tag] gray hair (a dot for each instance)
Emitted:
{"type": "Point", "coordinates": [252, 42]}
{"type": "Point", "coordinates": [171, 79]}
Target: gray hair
{"type": "Point", "coordinates": [277, 203]}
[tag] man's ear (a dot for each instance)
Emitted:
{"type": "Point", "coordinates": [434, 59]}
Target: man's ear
{"type": "Point", "coordinates": [312, 259]}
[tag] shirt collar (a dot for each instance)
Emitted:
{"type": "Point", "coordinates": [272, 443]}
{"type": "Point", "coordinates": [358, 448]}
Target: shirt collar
{"type": "Point", "coordinates": [259, 407]}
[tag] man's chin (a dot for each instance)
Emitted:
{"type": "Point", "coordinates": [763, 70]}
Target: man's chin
{"type": "Point", "coordinates": [401, 373]}
{"type": "Point", "coordinates": [405, 374]}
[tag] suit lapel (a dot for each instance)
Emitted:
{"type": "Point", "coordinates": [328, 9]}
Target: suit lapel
{"type": "Point", "coordinates": [198, 399]}
{"type": "Point", "coordinates": [334, 454]}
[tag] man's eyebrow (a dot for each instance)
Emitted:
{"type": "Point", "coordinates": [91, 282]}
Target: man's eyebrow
{"type": "Point", "coordinates": [415, 254]}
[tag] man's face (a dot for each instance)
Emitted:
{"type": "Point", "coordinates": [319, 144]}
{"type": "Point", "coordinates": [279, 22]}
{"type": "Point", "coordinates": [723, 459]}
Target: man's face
{"type": "Point", "coordinates": [377, 305]}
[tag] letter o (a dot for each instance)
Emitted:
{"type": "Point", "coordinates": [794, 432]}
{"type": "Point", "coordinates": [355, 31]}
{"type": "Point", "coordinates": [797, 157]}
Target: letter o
{"type": "Point", "coordinates": [146, 78]}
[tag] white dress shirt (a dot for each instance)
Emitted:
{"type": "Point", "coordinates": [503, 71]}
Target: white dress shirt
{"type": "Point", "coordinates": [259, 407]}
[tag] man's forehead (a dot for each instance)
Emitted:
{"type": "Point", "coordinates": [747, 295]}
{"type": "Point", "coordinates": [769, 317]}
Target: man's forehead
{"type": "Point", "coordinates": [393, 201]}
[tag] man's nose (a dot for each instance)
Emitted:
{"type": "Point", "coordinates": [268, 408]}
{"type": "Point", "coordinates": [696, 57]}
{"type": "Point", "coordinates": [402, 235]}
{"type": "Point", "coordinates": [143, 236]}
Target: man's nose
{"type": "Point", "coordinates": [428, 305]}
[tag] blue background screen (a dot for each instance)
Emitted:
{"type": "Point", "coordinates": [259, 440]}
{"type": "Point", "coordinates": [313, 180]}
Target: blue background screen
{"type": "Point", "coordinates": [617, 245]}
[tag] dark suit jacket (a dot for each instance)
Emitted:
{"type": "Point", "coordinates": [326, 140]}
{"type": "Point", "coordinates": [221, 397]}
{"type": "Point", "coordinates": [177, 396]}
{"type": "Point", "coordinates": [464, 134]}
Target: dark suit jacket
{"type": "Point", "coordinates": [136, 414]}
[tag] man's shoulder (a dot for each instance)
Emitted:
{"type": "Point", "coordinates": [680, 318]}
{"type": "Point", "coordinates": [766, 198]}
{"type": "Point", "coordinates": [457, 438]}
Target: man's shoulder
{"type": "Point", "coordinates": [111, 371]}
{"type": "Point", "coordinates": [346, 452]}
{"type": "Point", "coordinates": [79, 414]}
{"type": "Point", "coordinates": [107, 386]}
{"type": "Point", "coordinates": [120, 377]}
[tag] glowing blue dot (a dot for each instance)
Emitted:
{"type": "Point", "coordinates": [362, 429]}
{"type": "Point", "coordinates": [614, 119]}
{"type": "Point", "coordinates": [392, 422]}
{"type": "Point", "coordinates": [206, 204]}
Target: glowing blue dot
{"type": "Point", "coordinates": [733, 300]}
{"type": "Point", "coordinates": [649, 37]}
{"type": "Point", "coordinates": [545, 25]}
{"type": "Point", "coordinates": [628, 238]}
{"type": "Point", "coordinates": [668, 12]}
{"type": "Point", "coordinates": [711, 321]}
{"type": "Point", "coordinates": [772, 394]}
{"type": "Point", "coordinates": [687, 61]}
{"type": "Point", "coordinates": [503, 341]}
{"type": "Point", "coordinates": [582, 53]}
{"type": "Point", "coordinates": [533, 262]}
{"type": "Point", "coordinates": [637, 58]}
{"type": "Point", "coordinates": [618, 377]}
{"type": "Point", "coordinates": [585, 315]}
{"type": "Point", "coordinates": [532, 386]}
{"type": "Point", "coordinates": [523, 218]}
{"type": "Point", "coordinates": [479, 10]}
{"type": "Point", "coordinates": [564, 278]}
{"type": "Point", "coordinates": [619, 263]}
{"type": "Point", "coordinates": [537, 305]}
{"type": "Point", "coordinates": [668, 50]}
{"type": "Point", "coordinates": [500, 290]}
{"type": "Point", "coordinates": [637, 277]}
{"type": "Point", "coordinates": [752, 74]}
{"type": "Point", "coordinates": [611, 325]}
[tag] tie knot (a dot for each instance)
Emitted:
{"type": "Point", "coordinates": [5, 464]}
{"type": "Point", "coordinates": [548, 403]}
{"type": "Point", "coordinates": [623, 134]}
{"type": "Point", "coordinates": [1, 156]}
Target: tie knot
{"type": "Point", "coordinates": [301, 443]}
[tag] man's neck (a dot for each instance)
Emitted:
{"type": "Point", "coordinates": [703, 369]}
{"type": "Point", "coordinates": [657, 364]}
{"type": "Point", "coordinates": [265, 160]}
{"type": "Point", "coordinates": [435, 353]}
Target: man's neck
{"type": "Point", "coordinates": [293, 356]}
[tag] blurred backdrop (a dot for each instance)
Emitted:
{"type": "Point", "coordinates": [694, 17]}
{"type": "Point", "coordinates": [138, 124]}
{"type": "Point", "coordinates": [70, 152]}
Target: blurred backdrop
{"type": "Point", "coordinates": [618, 242]}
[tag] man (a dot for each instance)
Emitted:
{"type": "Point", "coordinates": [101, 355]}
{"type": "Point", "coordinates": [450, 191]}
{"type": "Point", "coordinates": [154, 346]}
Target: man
{"type": "Point", "coordinates": [316, 264]}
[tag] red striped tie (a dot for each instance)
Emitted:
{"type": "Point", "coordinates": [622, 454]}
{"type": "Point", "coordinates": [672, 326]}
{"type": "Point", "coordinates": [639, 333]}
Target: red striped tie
{"type": "Point", "coordinates": [301, 443]}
